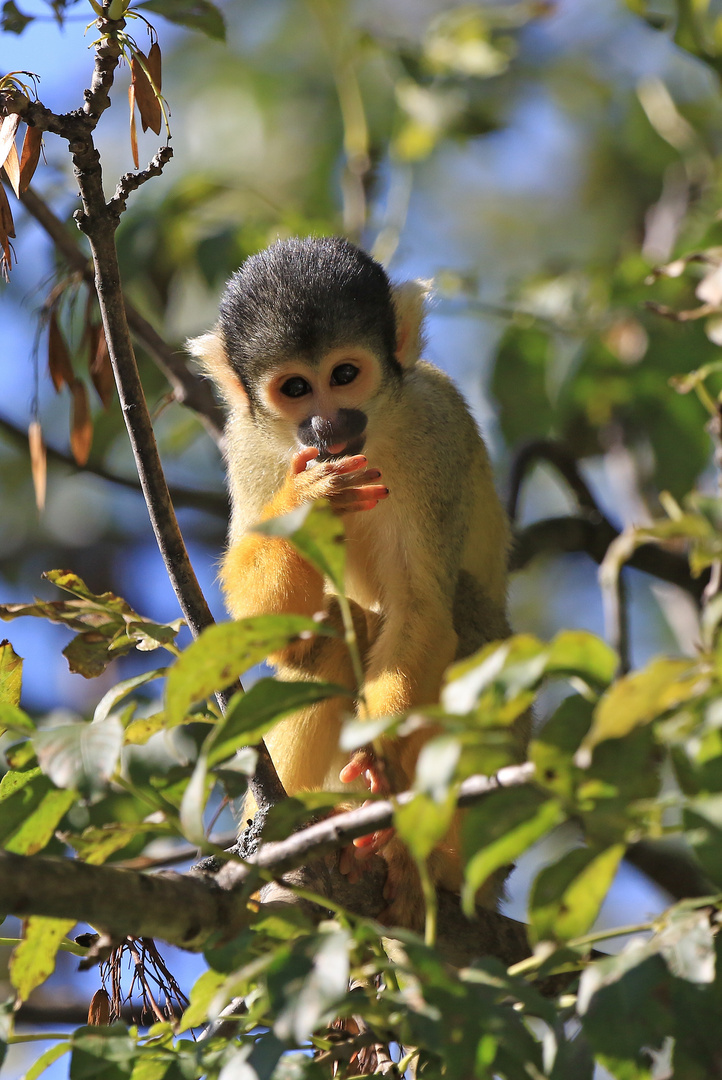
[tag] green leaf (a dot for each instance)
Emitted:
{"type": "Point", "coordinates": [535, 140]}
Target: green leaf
{"type": "Point", "coordinates": [223, 652]}
{"type": "Point", "coordinates": [31, 808]}
{"type": "Point", "coordinates": [11, 674]}
{"type": "Point", "coordinates": [193, 803]}
{"type": "Point", "coordinates": [251, 715]}
{"type": "Point", "coordinates": [196, 14]}
{"type": "Point", "coordinates": [309, 987]}
{"type": "Point", "coordinates": [642, 696]}
{"type": "Point", "coordinates": [33, 960]}
{"type": "Point", "coordinates": [204, 990]}
{"type": "Point", "coordinates": [423, 822]}
{"type": "Point", "coordinates": [12, 19]}
{"type": "Point", "coordinates": [81, 756]}
{"type": "Point", "coordinates": [116, 693]}
{"type": "Point", "coordinates": [577, 652]}
{"type": "Point", "coordinates": [102, 1053]}
{"type": "Point", "coordinates": [704, 834]}
{"type": "Point", "coordinates": [520, 384]}
{"type": "Point", "coordinates": [96, 844]}
{"type": "Point", "coordinates": [553, 750]}
{"type": "Point", "coordinates": [623, 1004]}
{"type": "Point", "coordinates": [497, 831]}
{"type": "Point", "coordinates": [51, 1055]}
{"type": "Point", "coordinates": [318, 534]}
{"type": "Point", "coordinates": [14, 719]}
{"type": "Point", "coordinates": [566, 897]}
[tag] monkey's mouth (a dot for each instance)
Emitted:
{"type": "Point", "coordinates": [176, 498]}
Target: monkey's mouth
{"type": "Point", "coordinates": [339, 450]}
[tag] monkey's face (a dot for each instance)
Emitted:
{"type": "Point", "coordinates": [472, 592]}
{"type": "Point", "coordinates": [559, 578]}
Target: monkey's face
{"type": "Point", "coordinates": [325, 403]}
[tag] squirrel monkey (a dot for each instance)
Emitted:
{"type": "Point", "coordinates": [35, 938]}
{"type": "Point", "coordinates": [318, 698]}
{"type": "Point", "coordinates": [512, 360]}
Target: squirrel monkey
{"type": "Point", "coordinates": [317, 358]}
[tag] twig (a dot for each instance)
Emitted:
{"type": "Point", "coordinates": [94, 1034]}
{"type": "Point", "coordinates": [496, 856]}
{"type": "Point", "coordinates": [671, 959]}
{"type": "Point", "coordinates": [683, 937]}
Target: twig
{"type": "Point", "coordinates": [182, 496]}
{"type": "Point", "coordinates": [189, 389]}
{"type": "Point", "coordinates": [131, 181]}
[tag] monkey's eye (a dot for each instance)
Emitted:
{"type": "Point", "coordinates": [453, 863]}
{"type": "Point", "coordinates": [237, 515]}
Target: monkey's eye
{"type": "Point", "coordinates": [295, 387]}
{"type": "Point", "coordinates": [343, 374]}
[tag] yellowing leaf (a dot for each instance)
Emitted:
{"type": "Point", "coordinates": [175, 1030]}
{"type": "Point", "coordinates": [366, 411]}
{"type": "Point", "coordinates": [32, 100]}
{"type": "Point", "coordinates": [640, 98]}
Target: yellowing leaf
{"type": "Point", "coordinates": [133, 128]}
{"type": "Point", "coordinates": [567, 896]}
{"type": "Point", "coordinates": [642, 696]}
{"type": "Point", "coordinates": [33, 960]}
{"type": "Point", "coordinates": [11, 674]}
{"type": "Point", "coordinates": [38, 463]}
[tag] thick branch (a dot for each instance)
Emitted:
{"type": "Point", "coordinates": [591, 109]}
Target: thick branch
{"type": "Point", "coordinates": [179, 909]}
{"type": "Point", "coordinates": [555, 454]}
{"type": "Point", "coordinates": [187, 910]}
{"type": "Point", "coordinates": [552, 536]}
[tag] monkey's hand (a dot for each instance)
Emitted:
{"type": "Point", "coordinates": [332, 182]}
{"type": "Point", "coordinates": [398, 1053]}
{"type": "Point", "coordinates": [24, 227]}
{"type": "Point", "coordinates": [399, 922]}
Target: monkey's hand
{"type": "Point", "coordinates": [347, 483]}
{"type": "Point", "coordinates": [365, 763]}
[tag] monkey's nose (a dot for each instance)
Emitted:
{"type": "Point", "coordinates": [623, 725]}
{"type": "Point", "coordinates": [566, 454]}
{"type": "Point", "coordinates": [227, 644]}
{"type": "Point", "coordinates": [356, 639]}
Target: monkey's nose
{"type": "Point", "coordinates": [323, 428]}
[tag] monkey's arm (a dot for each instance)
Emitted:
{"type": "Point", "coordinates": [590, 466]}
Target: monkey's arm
{"type": "Point", "coordinates": [265, 574]}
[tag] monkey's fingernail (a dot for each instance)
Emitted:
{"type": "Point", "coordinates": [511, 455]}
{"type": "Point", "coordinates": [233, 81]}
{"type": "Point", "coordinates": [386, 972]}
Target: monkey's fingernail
{"type": "Point", "coordinates": [373, 474]}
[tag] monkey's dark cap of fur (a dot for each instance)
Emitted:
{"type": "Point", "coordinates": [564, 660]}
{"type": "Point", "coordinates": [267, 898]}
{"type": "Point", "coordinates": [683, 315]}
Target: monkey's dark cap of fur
{"type": "Point", "coordinates": [302, 297]}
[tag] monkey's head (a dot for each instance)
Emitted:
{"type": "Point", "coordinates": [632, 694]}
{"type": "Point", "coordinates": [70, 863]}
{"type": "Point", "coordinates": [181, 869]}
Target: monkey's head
{"type": "Point", "coordinates": [310, 335]}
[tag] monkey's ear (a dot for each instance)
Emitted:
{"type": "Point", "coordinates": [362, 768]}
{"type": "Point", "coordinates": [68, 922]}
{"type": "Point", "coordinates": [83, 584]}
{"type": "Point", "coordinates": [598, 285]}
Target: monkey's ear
{"type": "Point", "coordinates": [409, 301]}
{"type": "Point", "coordinates": [209, 350]}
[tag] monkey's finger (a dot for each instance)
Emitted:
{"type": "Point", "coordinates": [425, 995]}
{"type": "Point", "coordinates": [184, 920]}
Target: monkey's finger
{"type": "Point", "coordinates": [366, 493]}
{"type": "Point", "coordinates": [300, 460]}
{"type": "Point", "coordinates": [347, 465]}
{"type": "Point", "coordinates": [368, 845]}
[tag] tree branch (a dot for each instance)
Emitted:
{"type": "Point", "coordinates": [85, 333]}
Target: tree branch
{"type": "Point", "coordinates": [99, 222]}
{"type": "Point", "coordinates": [182, 496]}
{"type": "Point", "coordinates": [189, 389]}
{"type": "Point", "coordinates": [569, 534]}
{"type": "Point", "coordinates": [187, 910]}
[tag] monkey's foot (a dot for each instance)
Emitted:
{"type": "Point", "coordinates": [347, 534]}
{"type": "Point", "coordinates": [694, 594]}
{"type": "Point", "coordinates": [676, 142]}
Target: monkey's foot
{"type": "Point", "coordinates": [365, 764]}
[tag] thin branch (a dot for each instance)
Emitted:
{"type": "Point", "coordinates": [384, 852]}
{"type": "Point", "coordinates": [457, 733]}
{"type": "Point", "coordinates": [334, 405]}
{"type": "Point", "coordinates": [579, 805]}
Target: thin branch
{"type": "Point", "coordinates": [131, 181]}
{"type": "Point", "coordinates": [569, 534]}
{"type": "Point", "coordinates": [189, 389]}
{"type": "Point", "coordinates": [182, 496]}
{"type": "Point", "coordinates": [187, 910]}
{"type": "Point", "coordinates": [334, 832]}
{"type": "Point", "coordinates": [99, 222]}
{"type": "Point", "coordinates": [564, 463]}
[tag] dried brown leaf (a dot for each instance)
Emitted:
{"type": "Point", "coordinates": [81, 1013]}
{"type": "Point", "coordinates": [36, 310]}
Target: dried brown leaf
{"type": "Point", "coordinates": [133, 128]}
{"type": "Point", "coordinates": [59, 363]}
{"type": "Point", "coordinates": [101, 369]}
{"type": "Point", "coordinates": [99, 1011]}
{"type": "Point", "coordinates": [30, 156]}
{"type": "Point", "coordinates": [8, 128]}
{"type": "Point", "coordinates": [81, 427]}
{"type": "Point", "coordinates": [145, 96]}
{"type": "Point", "coordinates": [154, 66]}
{"type": "Point", "coordinates": [12, 168]}
{"type": "Point", "coordinates": [7, 229]}
{"type": "Point", "coordinates": [38, 463]}
{"type": "Point", "coordinates": [7, 225]}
